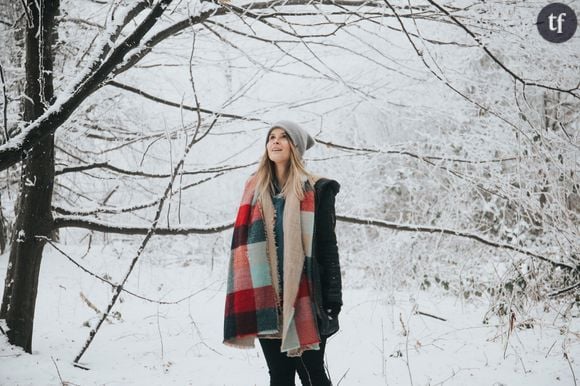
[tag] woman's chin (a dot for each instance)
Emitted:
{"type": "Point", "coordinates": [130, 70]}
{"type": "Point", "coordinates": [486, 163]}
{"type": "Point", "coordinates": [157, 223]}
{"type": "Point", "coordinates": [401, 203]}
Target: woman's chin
{"type": "Point", "coordinates": [279, 159]}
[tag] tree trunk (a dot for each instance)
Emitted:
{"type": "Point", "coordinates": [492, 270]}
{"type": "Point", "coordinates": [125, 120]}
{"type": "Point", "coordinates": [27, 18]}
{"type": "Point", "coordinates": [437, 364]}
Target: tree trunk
{"type": "Point", "coordinates": [34, 217]}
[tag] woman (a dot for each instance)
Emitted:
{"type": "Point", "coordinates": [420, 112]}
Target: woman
{"type": "Point", "coordinates": [284, 283]}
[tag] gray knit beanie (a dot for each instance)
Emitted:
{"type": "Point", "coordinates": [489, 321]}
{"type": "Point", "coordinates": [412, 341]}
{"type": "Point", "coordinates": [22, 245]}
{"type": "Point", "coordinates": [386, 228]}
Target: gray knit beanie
{"type": "Point", "coordinates": [300, 137]}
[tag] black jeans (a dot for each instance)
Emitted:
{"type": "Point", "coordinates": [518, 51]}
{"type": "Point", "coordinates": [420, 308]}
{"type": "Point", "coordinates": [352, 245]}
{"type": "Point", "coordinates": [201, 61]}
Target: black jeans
{"type": "Point", "coordinates": [282, 368]}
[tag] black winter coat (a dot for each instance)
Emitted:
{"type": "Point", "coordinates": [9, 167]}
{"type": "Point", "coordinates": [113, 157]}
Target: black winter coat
{"type": "Point", "coordinates": [327, 280]}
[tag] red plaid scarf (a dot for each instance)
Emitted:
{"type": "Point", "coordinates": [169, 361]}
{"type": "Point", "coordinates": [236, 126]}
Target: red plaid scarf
{"type": "Point", "coordinates": [252, 301]}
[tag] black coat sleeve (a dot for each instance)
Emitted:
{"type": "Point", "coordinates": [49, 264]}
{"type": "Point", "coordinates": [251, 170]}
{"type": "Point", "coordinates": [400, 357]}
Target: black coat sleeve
{"type": "Point", "coordinates": [326, 244]}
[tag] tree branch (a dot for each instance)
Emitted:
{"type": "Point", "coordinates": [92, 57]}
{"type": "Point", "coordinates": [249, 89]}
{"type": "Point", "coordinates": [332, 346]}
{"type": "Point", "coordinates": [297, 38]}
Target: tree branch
{"type": "Point", "coordinates": [178, 105]}
{"type": "Point", "coordinates": [113, 285]}
{"type": "Point", "coordinates": [564, 290]}
{"type": "Point", "coordinates": [106, 165]}
{"type": "Point", "coordinates": [427, 229]}
{"type": "Point", "coordinates": [101, 226]}
{"type": "Point", "coordinates": [70, 221]}
{"type": "Point", "coordinates": [133, 208]}
{"type": "Point", "coordinates": [413, 155]}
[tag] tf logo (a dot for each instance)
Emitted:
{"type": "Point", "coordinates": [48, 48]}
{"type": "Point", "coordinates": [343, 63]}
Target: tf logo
{"type": "Point", "coordinates": [557, 22]}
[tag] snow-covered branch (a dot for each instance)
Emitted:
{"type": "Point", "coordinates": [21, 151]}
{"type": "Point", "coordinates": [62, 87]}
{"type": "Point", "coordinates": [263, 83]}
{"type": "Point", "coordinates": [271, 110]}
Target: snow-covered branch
{"type": "Point", "coordinates": [139, 173]}
{"type": "Point", "coordinates": [454, 232]}
{"type": "Point", "coordinates": [13, 151]}
{"type": "Point", "coordinates": [101, 226]}
{"type": "Point", "coordinates": [153, 98]}
{"type": "Point", "coordinates": [95, 225]}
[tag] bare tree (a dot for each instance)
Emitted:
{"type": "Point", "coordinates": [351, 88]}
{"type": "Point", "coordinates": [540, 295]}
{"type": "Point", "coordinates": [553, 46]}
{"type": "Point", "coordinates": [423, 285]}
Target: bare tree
{"type": "Point", "coordinates": [34, 217]}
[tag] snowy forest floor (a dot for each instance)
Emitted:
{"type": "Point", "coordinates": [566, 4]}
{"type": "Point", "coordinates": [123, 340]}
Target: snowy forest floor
{"type": "Point", "coordinates": [385, 337]}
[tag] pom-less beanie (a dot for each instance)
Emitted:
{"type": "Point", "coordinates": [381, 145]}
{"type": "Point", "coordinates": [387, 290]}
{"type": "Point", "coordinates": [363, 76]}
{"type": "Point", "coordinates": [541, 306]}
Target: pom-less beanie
{"type": "Point", "coordinates": [300, 137]}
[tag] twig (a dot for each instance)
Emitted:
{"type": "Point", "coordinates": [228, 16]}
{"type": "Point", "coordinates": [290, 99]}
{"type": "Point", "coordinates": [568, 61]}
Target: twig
{"type": "Point", "coordinates": [571, 368]}
{"type": "Point", "coordinates": [82, 367]}
{"type": "Point", "coordinates": [27, 13]}
{"type": "Point", "coordinates": [10, 356]}
{"type": "Point", "coordinates": [113, 285]}
{"type": "Point", "coordinates": [405, 333]}
{"type": "Point", "coordinates": [407, 359]}
{"type": "Point", "coordinates": [343, 376]}
{"type": "Point", "coordinates": [4, 106]}
{"type": "Point", "coordinates": [383, 362]}
{"type": "Point", "coordinates": [160, 335]}
{"type": "Point", "coordinates": [453, 374]}
{"type": "Point", "coordinates": [550, 349]}
{"type": "Point", "coordinates": [92, 306]}
{"type": "Point", "coordinates": [57, 371]}
{"type": "Point", "coordinates": [431, 316]}
{"type": "Point", "coordinates": [511, 322]}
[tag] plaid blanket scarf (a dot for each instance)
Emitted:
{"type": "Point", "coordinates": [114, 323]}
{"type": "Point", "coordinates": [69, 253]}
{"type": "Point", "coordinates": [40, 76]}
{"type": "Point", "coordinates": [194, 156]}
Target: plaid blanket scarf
{"type": "Point", "coordinates": [253, 301]}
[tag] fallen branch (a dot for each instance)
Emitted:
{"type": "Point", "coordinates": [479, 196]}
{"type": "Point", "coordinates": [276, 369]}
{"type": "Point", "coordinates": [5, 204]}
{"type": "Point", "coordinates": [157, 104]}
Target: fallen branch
{"type": "Point", "coordinates": [58, 371]}
{"type": "Point", "coordinates": [571, 368]}
{"type": "Point", "coordinates": [431, 316]}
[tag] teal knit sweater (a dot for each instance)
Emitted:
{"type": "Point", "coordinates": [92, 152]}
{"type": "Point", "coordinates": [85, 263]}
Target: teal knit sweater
{"type": "Point", "coordinates": [278, 201]}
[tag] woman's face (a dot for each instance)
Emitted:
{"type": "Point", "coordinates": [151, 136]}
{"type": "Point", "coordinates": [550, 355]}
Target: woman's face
{"type": "Point", "coordinates": [278, 147]}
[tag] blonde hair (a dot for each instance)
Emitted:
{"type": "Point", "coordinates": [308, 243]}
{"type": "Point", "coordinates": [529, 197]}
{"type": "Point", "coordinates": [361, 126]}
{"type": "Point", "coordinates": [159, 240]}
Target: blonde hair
{"type": "Point", "coordinates": [294, 183]}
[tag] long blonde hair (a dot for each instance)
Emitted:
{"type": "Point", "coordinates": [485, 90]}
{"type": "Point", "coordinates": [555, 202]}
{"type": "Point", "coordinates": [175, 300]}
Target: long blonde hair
{"type": "Point", "coordinates": [294, 183]}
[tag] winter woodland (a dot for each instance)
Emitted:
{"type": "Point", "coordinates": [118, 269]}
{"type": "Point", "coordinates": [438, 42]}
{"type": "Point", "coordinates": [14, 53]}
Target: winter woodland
{"type": "Point", "coordinates": [128, 130]}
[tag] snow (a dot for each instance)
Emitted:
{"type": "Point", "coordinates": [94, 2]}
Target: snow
{"type": "Point", "coordinates": [146, 343]}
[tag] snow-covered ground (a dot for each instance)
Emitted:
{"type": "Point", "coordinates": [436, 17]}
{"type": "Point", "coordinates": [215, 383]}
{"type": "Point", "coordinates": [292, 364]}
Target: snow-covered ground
{"type": "Point", "coordinates": [385, 338]}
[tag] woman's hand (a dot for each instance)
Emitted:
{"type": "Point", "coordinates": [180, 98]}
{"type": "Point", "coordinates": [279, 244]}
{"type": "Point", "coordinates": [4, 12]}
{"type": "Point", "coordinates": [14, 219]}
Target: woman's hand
{"type": "Point", "coordinates": [332, 309]}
